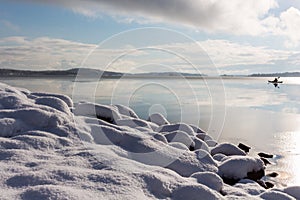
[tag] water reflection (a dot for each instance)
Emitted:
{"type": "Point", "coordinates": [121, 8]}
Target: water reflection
{"type": "Point", "coordinates": [288, 144]}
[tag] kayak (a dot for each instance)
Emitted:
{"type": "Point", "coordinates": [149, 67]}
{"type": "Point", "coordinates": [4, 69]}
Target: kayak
{"type": "Point", "coordinates": [275, 82]}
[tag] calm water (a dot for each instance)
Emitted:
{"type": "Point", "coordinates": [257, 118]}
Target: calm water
{"type": "Point", "coordinates": [244, 110]}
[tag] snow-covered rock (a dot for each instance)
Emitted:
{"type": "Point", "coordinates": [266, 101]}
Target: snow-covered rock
{"type": "Point", "coordinates": [204, 136]}
{"type": "Point", "coordinates": [179, 145]}
{"type": "Point", "coordinates": [227, 149]}
{"type": "Point", "coordinates": [49, 150]}
{"type": "Point", "coordinates": [249, 187]}
{"type": "Point", "coordinates": [124, 110]}
{"type": "Point", "coordinates": [176, 127]}
{"type": "Point", "coordinates": [199, 144]}
{"type": "Point", "coordinates": [180, 136]}
{"type": "Point", "coordinates": [271, 195]}
{"type": "Point", "coordinates": [106, 113]}
{"type": "Point", "coordinates": [196, 129]}
{"type": "Point", "coordinates": [194, 192]}
{"type": "Point", "coordinates": [209, 179]}
{"type": "Point", "coordinates": [293, 191]}
{"type": "Point", "coordinates": [239, 167]}
{"type": "Point", "coordinates": [64, 98]}
{"type": "Point", "coordinates": [158, 119]}
{"type": "Point", "coordinates": [211, 143]}
{"type": "Point", "coordinates": [219, 156]}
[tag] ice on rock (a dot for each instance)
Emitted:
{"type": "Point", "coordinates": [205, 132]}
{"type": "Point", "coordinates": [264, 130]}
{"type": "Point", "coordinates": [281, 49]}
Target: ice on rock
{"type": "Point", "coordinates": [176, 127]}
{"type": "Point", "coordinates": [227, 149]}
{"type": "Point", "coordinates": [209, 179]}
{"type": "Point", "coordinates": [239, 167]}
{"type": "Point", "coordinates": [158, 119]}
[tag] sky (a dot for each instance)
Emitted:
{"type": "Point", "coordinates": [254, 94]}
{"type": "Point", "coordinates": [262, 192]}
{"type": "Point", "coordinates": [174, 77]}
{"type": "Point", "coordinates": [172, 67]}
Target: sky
{"type": "Point", "coordinates": [209, 36]}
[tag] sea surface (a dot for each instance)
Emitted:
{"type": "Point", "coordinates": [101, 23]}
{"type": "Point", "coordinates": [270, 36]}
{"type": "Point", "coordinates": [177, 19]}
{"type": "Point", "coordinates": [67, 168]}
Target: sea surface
{"type": "Point", "coordinates": [233, 109]}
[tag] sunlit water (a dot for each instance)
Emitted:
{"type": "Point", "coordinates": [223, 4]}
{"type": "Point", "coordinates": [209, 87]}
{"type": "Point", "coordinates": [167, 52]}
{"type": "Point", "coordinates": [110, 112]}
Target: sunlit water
{"type": "Point", "coordinates": [247, 110]}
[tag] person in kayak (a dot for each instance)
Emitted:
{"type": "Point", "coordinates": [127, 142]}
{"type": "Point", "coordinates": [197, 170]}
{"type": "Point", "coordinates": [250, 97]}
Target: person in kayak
{"type": "Point", "coordinates": [276, 80]}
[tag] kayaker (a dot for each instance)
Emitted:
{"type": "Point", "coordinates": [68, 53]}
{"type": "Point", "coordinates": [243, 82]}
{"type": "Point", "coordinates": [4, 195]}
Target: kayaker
{"type": "Point", "coordinates": [276, 80]}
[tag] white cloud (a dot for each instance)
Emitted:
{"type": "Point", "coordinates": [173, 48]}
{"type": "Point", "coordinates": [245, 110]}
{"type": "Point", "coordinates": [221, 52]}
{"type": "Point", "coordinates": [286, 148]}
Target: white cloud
{"type": "Point", "coordinates": [51, 53]}
{"type": "Point", "coordinates": [234, 16]}
{"type": "Point", "coordinates": [39, 53]}
{"type": "Point", "coordinates": [251, 17]}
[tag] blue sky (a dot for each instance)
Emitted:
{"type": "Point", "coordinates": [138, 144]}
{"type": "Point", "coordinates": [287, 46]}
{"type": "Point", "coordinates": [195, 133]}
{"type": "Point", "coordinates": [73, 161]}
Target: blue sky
{"type": "Point", "coordinates": [239, 37]}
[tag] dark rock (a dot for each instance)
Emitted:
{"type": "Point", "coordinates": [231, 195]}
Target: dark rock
{"type": "Point", "coordinates": [269, 184]}
{"type": "Point", "coordinates": [192, 148]}
{"type": "Point", "coordinates": [244, 147]}
{"type": "Point", "coordinates": [256, 175]}
{"type": "Point", "coordinates": [265, 155]}
{"type": "Point", "coordinates": [265, 184]}
{"type": "Point", "coordinates": [266, 161]}
{"type": "Point", "coordinates": [262, 184]}
{"type": "Point", "coordinates": [273, 174]}
{"type": "Point", "coordinates": [230, 181]}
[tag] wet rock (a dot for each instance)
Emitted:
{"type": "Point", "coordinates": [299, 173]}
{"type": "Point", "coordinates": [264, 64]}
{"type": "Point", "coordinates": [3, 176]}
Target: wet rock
{"type": "Point", "coordinates": [273, 174]}
{"type": "Point", "coordinates": [266, 161]}
{"type": "Point", "coordinates": [244, 147]}
{"type": "Point", "coordinates": [265, 155]}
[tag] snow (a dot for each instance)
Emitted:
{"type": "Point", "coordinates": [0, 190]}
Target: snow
{"type": "Point", "coordinates": [219, 156]}
{"type": "Point", "coordinates": [52, 150]}
{"type": "Point", "coordinates": [209, 179]}
{"type": "Point", "coordinates": [158, 119]}
{"type": "Point", "coordinates": [293, 191]}
{"type": "Point", "coordinates": [124, 110]}
{"type": "Point", "coordinates": [271, 195]}
{"type": "Point", "coordinates": [181, 137]}
{"type": "Point", "coordinates": [238, 167]}
{"type": "Point", "coordinates": [227, 149]}
{"type": "Point", "coordinates": [252, 188]}
{"type": "Point", "coordinates": [175, 127]}
{"type": "Point", "coordinates": [194, 192]}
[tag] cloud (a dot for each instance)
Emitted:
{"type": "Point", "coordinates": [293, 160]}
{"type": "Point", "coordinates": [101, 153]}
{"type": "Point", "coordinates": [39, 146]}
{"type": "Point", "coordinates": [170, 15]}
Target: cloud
{"type": "Point", "coordinates": [234, 16]}
{"type": "Point", "coordinates": [41, 53]}
{"type": "Point", "coordinates": [228, 57]}
{"type": "Point", "coordinates": [251, 17]}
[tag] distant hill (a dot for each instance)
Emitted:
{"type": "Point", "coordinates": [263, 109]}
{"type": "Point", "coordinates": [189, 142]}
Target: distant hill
{"type": "Point", "coordinates": [66, 73]}
{"type": "Point", "coordinates": [89, 73]}
{"type": "Point", "coordinates": [284, 74]}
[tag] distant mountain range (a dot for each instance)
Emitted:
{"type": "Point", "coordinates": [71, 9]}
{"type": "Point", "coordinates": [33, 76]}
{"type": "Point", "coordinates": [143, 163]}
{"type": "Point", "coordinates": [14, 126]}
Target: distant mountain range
{"type": "Point", "coordinates": [284, 74]}
{"type": "Point", "coordinates": [68, 73]}
{"type": "Point", "coordinates": [90, 73]}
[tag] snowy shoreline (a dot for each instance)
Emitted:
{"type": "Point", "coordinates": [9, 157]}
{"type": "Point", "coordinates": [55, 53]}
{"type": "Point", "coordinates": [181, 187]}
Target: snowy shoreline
{"type": "Point", "coordinates": [53, 149]}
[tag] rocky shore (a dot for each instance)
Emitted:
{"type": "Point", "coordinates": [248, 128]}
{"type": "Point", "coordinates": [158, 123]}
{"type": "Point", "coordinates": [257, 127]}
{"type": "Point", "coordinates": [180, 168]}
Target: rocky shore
{"type": "Point", "coordinates": [51, 148]}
